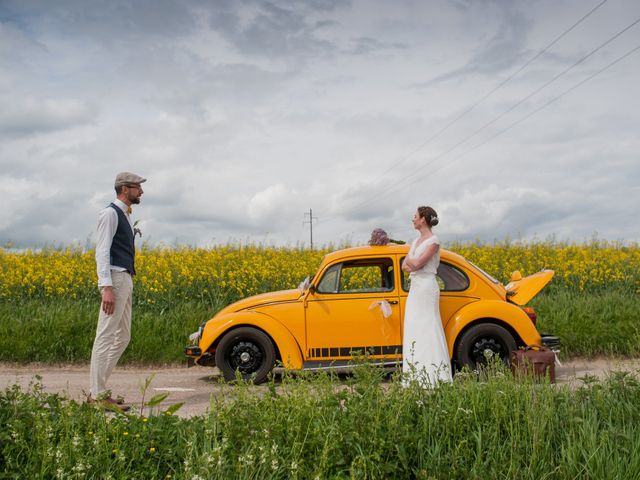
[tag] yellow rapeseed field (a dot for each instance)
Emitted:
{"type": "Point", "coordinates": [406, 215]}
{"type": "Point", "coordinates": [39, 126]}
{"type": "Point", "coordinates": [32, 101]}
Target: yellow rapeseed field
{"type": "Point", "coordinates": [234, 271]}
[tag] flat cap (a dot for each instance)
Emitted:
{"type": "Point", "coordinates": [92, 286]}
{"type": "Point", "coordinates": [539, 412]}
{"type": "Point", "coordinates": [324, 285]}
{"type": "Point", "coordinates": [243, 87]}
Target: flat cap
{"type": "Point", "coordinates": [128, 178]}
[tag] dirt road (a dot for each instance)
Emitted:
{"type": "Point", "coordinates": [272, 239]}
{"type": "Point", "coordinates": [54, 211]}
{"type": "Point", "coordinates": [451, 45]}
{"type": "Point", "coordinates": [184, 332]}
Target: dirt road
{"type": "Point", "coordinates": [195, 386]}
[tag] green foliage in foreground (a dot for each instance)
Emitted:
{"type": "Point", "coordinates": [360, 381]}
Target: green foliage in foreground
{"type": "Point", "coordinates": [317, 426]}
{"type": "Point", "coordinates": [63, 330]}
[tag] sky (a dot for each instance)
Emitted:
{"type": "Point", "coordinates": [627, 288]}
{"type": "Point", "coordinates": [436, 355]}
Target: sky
{"type": "Point", "coordinates": [246, 115]}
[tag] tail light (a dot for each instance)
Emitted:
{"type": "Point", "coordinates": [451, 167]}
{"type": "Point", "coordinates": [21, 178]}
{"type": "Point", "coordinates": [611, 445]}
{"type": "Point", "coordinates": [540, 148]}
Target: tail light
{"type": "Point", "coordinates": [531, 313]}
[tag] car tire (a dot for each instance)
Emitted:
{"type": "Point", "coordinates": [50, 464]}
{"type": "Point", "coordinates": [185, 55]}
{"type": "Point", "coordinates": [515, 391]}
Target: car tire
{"type": "Point", "coordinates": [481, 339]}
{"type": "Point", "coordinates": [247, 350]}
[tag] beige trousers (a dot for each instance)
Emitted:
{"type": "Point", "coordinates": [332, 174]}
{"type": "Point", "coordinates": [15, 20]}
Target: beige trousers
{"type": "Point", "coordinates": [112, 334]}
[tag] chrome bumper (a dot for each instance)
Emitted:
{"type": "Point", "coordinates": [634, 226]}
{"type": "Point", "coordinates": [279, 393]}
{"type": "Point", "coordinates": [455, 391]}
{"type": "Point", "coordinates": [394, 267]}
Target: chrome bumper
{"type": "Point", "coordinates": [551, 342]}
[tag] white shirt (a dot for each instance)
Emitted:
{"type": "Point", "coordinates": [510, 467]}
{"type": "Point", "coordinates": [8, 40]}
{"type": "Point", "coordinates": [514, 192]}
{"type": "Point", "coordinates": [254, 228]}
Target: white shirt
{"type": "Point", "coordinates": [107, 226]}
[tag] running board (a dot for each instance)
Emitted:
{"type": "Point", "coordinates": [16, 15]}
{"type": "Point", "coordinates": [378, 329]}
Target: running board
{"type": "Point", "coordinates": [335, 364]}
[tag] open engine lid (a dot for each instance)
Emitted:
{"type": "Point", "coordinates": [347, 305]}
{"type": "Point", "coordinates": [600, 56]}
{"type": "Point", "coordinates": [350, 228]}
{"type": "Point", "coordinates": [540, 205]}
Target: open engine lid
{"type": "Point", "coordinates": [521, 290]}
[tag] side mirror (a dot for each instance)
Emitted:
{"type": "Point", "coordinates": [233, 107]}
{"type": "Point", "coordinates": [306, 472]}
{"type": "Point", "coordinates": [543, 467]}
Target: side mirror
{"type": "Point", "coordinates": [515, 276]}
{"type": "Point", "coordinates": [312, 289]}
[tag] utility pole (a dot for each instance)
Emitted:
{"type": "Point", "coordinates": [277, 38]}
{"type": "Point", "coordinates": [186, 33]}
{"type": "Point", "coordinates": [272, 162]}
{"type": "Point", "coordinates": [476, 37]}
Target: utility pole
{"type": "Point", "coordinates": [310, 222]}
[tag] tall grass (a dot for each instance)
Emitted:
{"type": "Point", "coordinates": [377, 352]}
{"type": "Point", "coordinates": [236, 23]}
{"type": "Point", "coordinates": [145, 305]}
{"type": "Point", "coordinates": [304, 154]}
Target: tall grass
{"type": "Point", "coordinates": [591, 323]}
{"type": "Point", "coordinates": [316, 426]}
{"type": "Point", "coordinates": [63, 331]}
{"type": "Point", "coordinates": [601, 323]}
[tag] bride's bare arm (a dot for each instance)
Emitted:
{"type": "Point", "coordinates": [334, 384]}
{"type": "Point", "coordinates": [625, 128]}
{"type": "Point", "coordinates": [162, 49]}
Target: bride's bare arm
{"type": "Point", "coordinates": [421, 261]}
{"type": "Point", "coordinates": [405, 265]}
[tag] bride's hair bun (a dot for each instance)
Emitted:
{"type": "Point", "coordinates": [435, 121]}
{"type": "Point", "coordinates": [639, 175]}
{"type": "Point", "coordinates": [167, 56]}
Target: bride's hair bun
{"type": "Point", "coordinates": [430, 215]}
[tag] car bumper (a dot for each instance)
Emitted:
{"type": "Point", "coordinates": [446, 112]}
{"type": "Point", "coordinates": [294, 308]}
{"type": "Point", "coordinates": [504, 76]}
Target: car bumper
{"type": "Point", "coordinates": [551, 342]}
{"type": "Point", "coordinates": [193, 351]}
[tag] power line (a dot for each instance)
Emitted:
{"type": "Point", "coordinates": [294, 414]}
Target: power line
{"type": "Point", "coordinates": [495, 89]}
{"type": "Point", "coordinates": [401, 182]}
{"type": "Point", "coordinates": [532, 113]}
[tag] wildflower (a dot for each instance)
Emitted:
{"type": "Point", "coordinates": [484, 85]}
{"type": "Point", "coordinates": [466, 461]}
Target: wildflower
{"type": "Point", "coordinates": [125, 433]}
{"type": "Point", "coordinates": [152, 449]}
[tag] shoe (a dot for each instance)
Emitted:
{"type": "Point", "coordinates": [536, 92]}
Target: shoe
{"type": "Point", "coordinates": [119, 404]}
{"type": "Point", "coordinates": [110, 403]}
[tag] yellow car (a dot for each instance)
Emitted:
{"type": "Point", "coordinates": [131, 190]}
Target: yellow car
{"type": "Point", "coordinates": [354, 304]}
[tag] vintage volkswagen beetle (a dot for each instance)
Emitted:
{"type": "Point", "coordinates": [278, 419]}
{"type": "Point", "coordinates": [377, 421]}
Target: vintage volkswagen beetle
{"type": "Point", "coordinates": [355, 304]}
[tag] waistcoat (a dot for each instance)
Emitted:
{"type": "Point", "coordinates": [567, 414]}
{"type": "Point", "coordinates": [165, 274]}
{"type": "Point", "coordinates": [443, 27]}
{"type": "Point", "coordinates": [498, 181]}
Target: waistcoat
{"type": "Point", "coordinates": [123, 249]}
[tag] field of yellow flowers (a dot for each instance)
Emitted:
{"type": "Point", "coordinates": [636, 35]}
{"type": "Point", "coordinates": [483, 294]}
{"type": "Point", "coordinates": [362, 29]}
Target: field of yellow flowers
{"type": "Point", "coordinates": [592, 301]}
{"type": "Point", "coordinates": [235, 271]}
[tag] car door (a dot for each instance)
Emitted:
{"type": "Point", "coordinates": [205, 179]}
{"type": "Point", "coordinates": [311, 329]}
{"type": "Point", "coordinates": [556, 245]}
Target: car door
{"type": "Point", "coordinates": [454, 294]}
{"type": "Point", "coordinates": [344, 313]}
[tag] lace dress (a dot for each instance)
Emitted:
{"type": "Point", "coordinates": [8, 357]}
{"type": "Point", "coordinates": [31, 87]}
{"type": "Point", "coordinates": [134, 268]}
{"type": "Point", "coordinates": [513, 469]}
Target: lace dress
{"type": "Point", "coordinates": [424, 346]}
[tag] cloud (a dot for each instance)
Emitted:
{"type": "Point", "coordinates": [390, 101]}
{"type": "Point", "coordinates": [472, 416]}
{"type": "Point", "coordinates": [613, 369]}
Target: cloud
{"type": "Point", "coordinates": [243, 115]}
{"type": "Point", "coordinates": [349, 204]}
{"type": "Point", "coordinates": [273, 207]}
{"type": "Point", "coordinates": [109, 22]}
{"type": "Point", "coordinates": [276, 31]}
{"type": "Point", "coordinates": [495, 212]}
{"type": "Point", "coordinates": [504, 49]}
{"type": "Point", "coordinates": [32, 115]}
{"type": "Point", "coordinates": [368, 45]}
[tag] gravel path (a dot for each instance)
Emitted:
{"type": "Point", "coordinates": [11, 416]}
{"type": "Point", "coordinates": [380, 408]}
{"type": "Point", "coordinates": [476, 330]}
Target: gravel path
{"type": "Point", "coordinates": [195, 386]}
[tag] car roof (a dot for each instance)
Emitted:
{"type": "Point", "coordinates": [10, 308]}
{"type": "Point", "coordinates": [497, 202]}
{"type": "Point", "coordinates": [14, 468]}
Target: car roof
{"type": "Point", "coordinates": [390, 249]}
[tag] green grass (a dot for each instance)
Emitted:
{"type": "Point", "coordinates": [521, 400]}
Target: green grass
{"type": "Point", "coordinates": [600, 323]}
{"type": "Point", "coordinates": [63, 330]}
{"type": "Point", "coordinates": [317, 426]}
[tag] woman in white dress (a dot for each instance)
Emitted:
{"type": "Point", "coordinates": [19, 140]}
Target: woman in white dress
{"type": "Point", "coordinates": [424, 346]}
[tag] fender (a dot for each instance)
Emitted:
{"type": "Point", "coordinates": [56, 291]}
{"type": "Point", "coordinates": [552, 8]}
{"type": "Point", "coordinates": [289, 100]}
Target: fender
{"type": "Point", "coordinates": [285, 342]}
{"type": "Point", "coordinates": [507, 313]}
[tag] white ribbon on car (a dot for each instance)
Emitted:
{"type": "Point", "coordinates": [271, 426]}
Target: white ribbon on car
{"type": "Point", "coordinates": [384, 306]}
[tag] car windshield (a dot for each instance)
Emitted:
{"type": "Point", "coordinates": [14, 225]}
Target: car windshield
{"type": "Point", "coordinates": [484, 273]}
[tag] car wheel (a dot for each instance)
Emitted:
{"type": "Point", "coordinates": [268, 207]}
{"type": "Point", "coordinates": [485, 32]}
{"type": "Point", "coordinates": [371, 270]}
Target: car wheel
{"type": "Point", "coordinates": [482, 341]}
{"type": "Point", "coordinates": [247, 350]}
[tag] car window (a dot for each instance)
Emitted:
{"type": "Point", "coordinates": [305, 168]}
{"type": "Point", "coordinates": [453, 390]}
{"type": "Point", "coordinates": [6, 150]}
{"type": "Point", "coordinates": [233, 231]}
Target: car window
{"type": "Point", "coordinates": [485, 273]}
{"type": "Point", "coordinates": [449, 278]}
{"type": "Point", "coordinates": [329, 282]}
{"type": "Point", "coordinates": [359, 276]}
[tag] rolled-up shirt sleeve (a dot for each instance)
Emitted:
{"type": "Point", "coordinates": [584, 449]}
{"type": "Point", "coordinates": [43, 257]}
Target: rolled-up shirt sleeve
{"type": "Point", "coordinates": [107, 225]}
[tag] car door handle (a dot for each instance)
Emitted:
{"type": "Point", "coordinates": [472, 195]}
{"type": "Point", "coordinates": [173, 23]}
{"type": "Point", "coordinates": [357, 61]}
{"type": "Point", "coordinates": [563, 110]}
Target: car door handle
{"type": "Point", "coordinates": [392, 302]}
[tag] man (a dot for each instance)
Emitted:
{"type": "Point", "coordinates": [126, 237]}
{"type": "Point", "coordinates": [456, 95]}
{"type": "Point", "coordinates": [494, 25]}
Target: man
{"type": "Point", "coordinates": [115, 259]}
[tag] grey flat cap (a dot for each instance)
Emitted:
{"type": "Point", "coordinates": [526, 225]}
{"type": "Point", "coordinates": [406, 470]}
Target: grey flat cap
{"type": "Point", "coordinates": [128, 178]}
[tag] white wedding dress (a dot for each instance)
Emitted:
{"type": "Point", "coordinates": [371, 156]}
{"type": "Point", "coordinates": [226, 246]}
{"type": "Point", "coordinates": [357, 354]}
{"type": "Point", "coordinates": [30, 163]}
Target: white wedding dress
{"type": "Point", "coordinates": [424, 346]}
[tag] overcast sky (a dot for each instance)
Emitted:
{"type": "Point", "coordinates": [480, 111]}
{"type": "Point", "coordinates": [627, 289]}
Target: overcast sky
{"type": "Point", "coordinates": [243, 115]}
